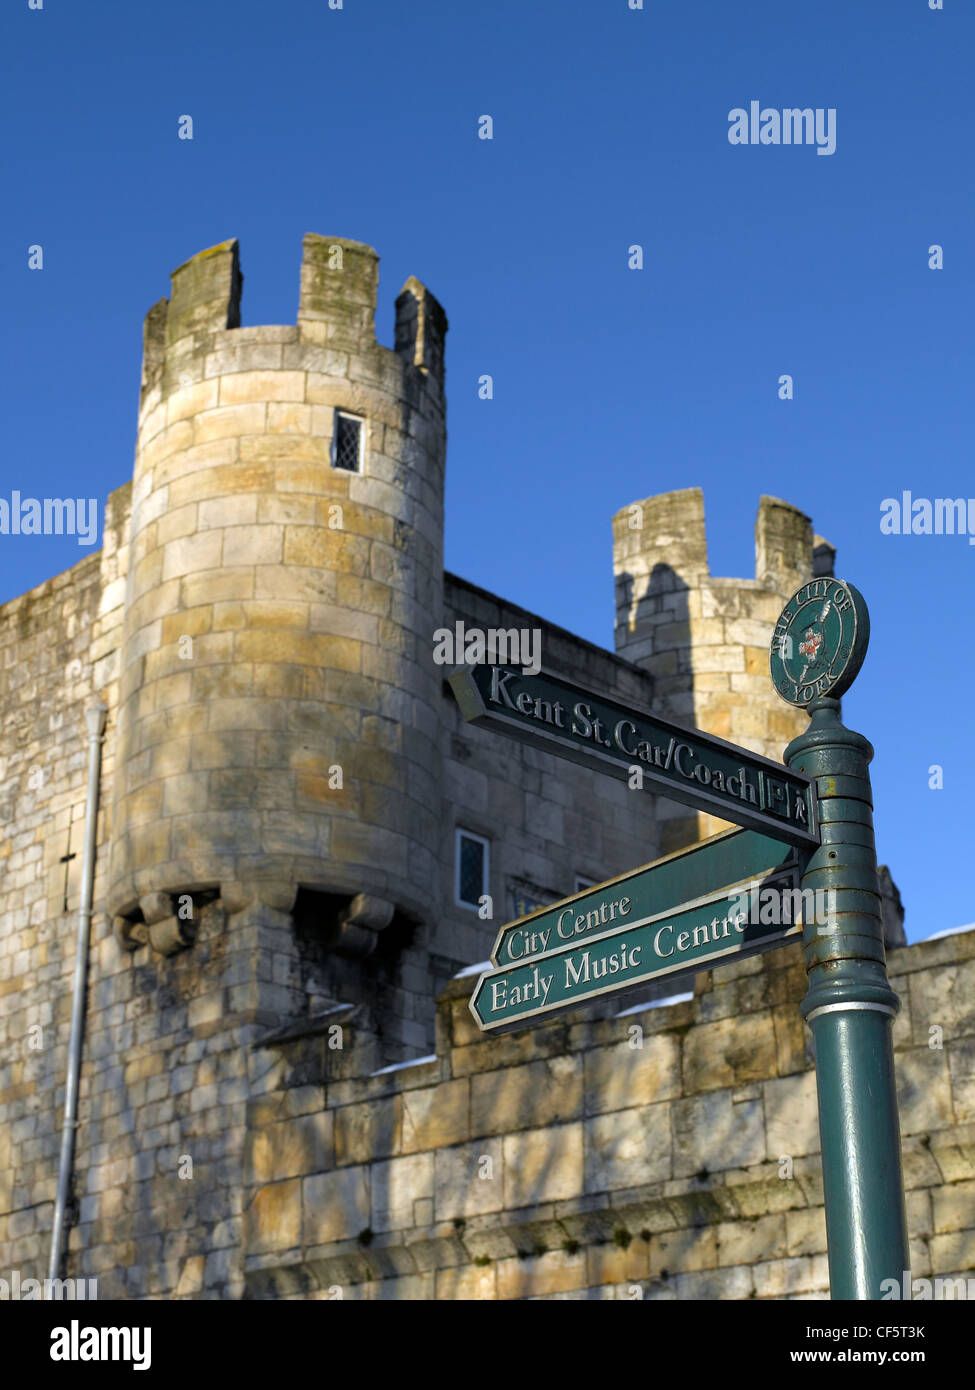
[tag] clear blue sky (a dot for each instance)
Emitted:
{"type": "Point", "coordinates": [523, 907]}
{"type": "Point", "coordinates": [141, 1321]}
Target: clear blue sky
{"type": "Point", "coordinates": [610, 384]}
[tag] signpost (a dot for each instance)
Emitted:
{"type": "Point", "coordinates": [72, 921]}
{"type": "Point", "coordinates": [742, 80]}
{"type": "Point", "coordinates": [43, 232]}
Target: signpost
{"type": "Point", "coordinates": [818, 647]}
{"type": "Point", "coordinates": [636, 927]}
{"type": "Point", "coordinates": [683, 764]}
{"type": "Point", "coordinates": [696, 934]}
{"type": "Point", "coordinates": [720, 862]}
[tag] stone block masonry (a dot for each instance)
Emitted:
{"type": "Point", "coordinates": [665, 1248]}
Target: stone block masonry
{"type": "Point", "coordinates": [671, 1153]}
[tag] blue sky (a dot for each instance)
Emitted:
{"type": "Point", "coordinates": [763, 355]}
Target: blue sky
{"type": "Point", "coordinates": [611, 128]}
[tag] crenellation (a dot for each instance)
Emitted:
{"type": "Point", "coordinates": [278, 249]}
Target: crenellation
{"type": "Point", "coordinates": [783, 546]}
{"type": "Point", "coordinates": [205, 298]}
{"type": "Point", "coordinates": [339, 281]}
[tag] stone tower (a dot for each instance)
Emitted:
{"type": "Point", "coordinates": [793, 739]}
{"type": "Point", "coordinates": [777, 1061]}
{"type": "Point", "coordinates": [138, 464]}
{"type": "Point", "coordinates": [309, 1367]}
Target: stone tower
{"type": "Point", "coordinates": [278, 703]}
{"type": "Point", "coordinates": [705, 640]}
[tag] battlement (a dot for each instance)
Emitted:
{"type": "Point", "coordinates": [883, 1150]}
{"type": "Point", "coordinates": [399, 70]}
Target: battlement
{"type": "Point", "coordinates": [196, 334]}
{"type": "Point", "coordinates": [664, 538]}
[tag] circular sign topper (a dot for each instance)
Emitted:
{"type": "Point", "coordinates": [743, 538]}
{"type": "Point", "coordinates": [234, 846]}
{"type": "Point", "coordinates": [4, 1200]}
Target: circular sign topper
{"type": "Point", "coordinates": [819, 642]}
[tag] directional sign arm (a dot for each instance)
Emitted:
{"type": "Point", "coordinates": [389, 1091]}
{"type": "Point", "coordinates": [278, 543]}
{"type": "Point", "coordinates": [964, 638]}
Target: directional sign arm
{"type": "Point", "coordinates": [681, 763]}
{"type": "Point", "coordinates": [693, 936]}
{"type": "Point", "coordinates": [732, 857]}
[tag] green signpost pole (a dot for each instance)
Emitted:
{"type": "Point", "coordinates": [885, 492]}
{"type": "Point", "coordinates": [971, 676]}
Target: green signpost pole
{"type": "Point", "coordinates": [850, 1006]}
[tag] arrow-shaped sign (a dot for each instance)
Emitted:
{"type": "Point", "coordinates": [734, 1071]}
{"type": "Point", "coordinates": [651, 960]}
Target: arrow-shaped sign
{"type": "Point", "coordinates": [732, 857]}
{"type": "Point", "coordinates": [681, 763]}
{"type": "Point", "coordinates": [694, 935]}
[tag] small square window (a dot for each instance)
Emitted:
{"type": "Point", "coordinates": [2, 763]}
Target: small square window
{"type": "Point", "coordinates": [348, 438]}
{"type": "Point", "coordinates": [471, 869]}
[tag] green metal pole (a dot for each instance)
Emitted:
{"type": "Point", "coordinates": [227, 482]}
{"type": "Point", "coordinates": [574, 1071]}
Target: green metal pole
{"type": "Point", "coordinates": [850, 1008]}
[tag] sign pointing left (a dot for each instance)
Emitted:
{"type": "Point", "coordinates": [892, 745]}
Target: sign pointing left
{"type": "Point", "coordinates": [684, 876]}
{"type": "Point", "coordinates": [692, 936]}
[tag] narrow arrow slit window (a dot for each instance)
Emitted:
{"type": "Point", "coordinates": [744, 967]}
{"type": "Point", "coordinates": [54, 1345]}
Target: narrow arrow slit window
{"type": "Point", "coordinates": [470, 869]}
{"type": "Point", "coordinates": [348, 442]}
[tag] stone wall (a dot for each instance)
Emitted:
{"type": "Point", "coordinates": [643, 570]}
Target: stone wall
{"type": "Point", "coordinates": [663, 1153]}
{"type": "Point", "coordinates": [158, 1180]}
{"type": "Point", "coordinates": [60, 647]}
{"type": "Point", "coordinates": [156, 1199]}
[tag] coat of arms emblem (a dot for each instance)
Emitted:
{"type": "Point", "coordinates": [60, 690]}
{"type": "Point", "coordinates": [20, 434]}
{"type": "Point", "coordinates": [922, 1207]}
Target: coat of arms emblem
{"type": "Point", "coordinates": [819, 641]}
{"type": "Point", "coordinates": [812, 640]}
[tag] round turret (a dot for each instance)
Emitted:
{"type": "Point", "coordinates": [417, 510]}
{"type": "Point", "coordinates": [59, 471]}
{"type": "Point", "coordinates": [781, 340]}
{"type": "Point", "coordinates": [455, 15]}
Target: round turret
{"type": "Point", "coordinates": [278, 704]}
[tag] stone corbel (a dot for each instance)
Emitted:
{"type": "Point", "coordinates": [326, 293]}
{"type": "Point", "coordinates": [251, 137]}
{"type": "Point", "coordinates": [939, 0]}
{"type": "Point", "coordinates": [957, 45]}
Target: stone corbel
{"type": "Point", "coordinates": [153, 921]}
{"type": "Point", "coordinates": [361, 922]}
{"type": "Point", "coordinates": [131, 934]}
{"type": "Point", "coordinates": [168, 934]}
